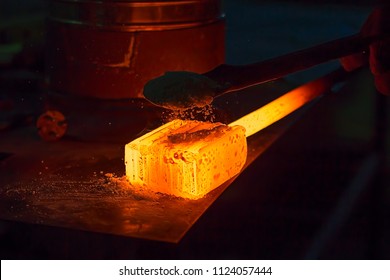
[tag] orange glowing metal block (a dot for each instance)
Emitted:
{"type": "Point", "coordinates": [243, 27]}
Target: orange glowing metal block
{"type": "Point", "coordinates": [191, 158]}
{"type": "Point", "coordinates": [186, 158]}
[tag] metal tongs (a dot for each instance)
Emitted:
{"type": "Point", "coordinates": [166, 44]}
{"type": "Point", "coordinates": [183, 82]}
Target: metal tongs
{"type": "Point", "coordinates": [181, 90]}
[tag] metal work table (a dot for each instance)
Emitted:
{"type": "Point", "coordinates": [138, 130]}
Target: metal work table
{"type": "Point", "coordinates": [275, 208]}
{"type": "Point", "coordinates": [306, 192]}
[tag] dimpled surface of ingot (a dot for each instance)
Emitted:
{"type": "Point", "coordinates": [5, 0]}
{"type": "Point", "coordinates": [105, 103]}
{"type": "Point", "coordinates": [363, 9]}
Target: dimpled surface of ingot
{"type": "Point", "coordinates": [186, 158]}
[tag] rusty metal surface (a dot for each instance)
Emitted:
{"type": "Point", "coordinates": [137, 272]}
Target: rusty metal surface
{"type": "Point", "coordinates": [65, 184]}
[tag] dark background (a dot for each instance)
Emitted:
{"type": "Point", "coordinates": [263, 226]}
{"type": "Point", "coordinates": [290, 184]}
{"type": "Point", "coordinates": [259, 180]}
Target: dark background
{"type": "Point", "coordinates": [309, 168]}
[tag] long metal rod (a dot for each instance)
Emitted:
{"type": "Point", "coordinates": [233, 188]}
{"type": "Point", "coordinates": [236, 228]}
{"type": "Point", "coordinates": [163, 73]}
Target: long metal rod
{"type": "Point", "coordinates": [289, 102]}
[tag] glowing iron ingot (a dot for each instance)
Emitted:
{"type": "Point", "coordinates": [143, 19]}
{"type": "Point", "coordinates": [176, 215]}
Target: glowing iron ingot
{"type": "Point", "coordinates": [186, 158]}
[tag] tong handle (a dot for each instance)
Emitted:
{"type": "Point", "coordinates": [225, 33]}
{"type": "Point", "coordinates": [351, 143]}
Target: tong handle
{"type": "Point", "coordinates": [236, 77]}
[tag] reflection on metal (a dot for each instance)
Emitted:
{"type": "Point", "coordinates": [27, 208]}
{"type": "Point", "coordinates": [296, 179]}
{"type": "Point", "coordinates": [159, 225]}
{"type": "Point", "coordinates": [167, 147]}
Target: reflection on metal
{"type": "Point", "coordinates": [136, 15]}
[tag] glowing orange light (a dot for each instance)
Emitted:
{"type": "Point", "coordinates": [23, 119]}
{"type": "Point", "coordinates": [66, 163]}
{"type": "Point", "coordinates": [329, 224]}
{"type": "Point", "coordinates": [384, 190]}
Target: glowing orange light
{"type": "Point", "coordinates": [191, 158]}
{"type": "Point", "coordinates": [282, 106]}
{"type": "Point", "coordinates": [186, 158]}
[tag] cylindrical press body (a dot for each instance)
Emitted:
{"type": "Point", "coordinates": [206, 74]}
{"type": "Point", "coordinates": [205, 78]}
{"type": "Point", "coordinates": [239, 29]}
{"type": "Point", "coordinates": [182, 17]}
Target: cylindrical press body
{"type": "Point", "coordinates": [109, 49]}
